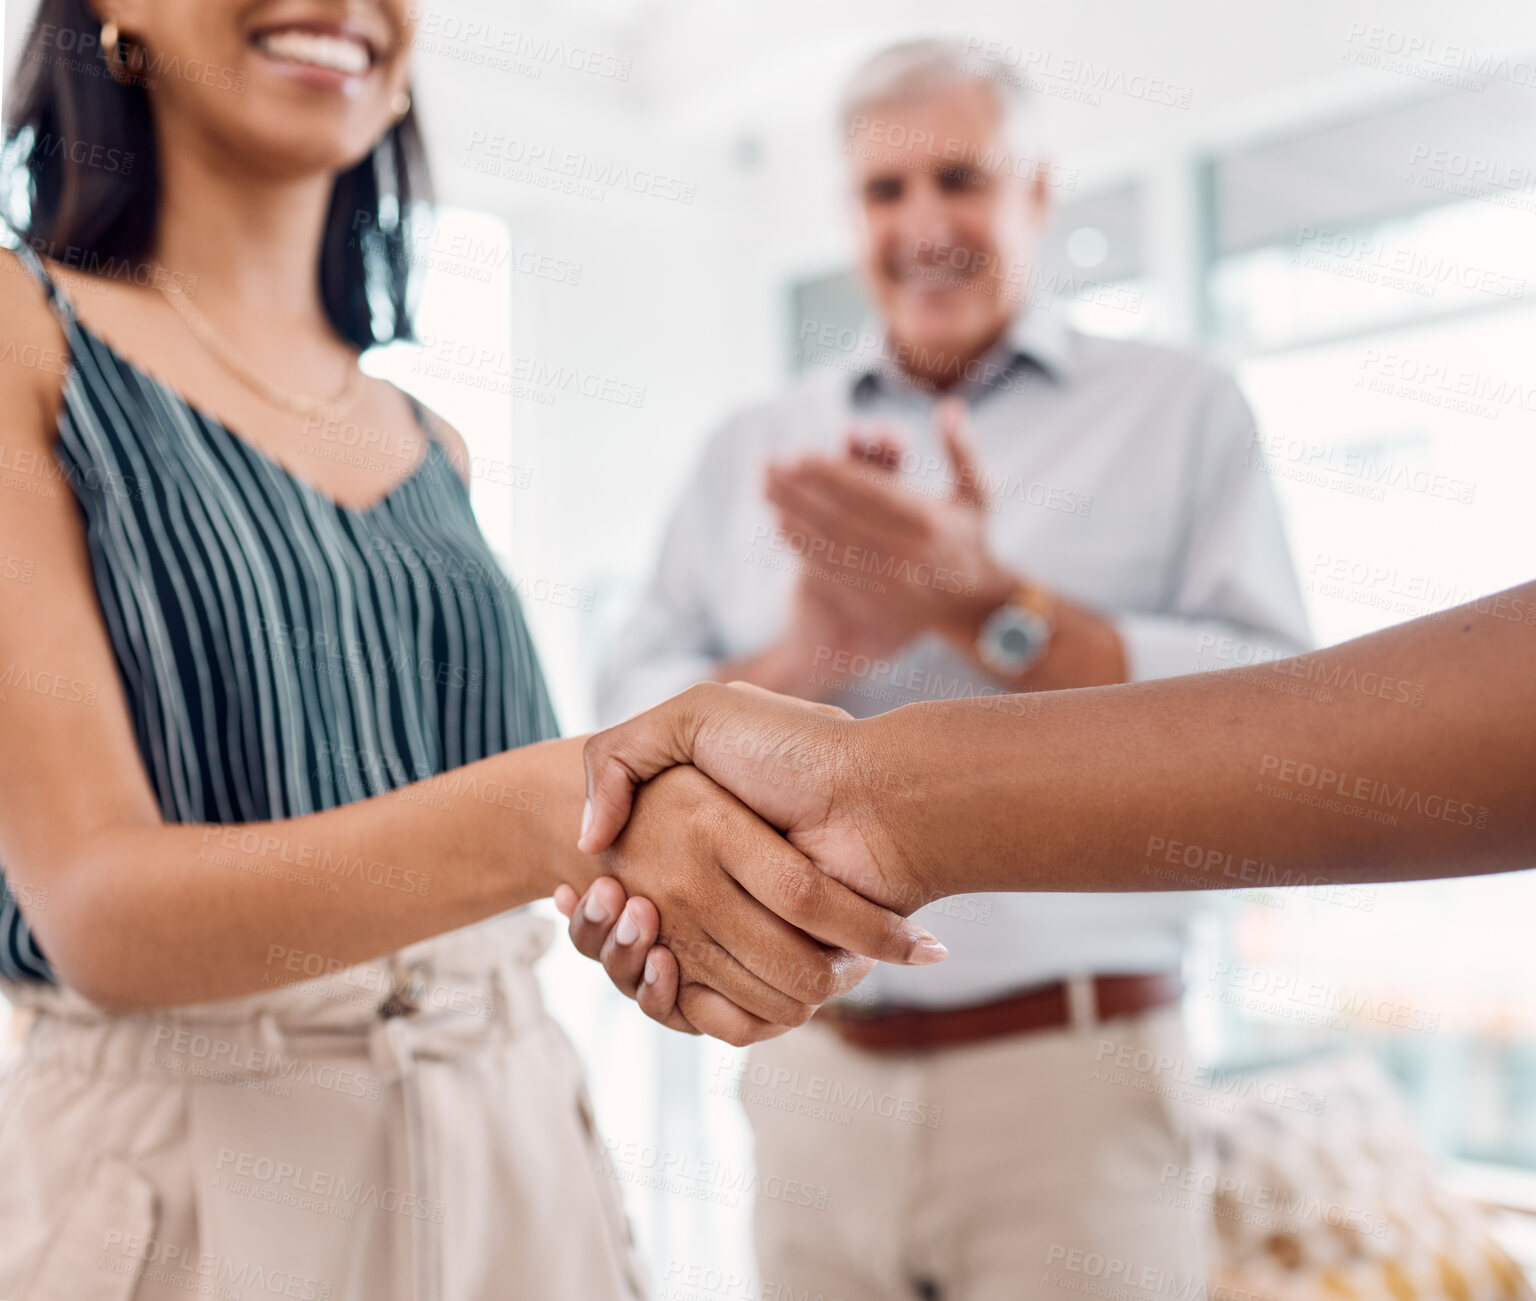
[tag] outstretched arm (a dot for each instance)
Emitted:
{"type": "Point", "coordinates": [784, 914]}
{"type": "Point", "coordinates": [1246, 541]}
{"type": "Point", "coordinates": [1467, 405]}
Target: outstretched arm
{"type": "Point", "coordinates": [1407, 754]}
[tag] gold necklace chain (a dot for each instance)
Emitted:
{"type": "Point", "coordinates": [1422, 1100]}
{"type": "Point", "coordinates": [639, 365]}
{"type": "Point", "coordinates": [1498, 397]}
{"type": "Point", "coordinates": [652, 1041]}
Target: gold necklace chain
{"type": "Point", "coordinates": [330, 409]}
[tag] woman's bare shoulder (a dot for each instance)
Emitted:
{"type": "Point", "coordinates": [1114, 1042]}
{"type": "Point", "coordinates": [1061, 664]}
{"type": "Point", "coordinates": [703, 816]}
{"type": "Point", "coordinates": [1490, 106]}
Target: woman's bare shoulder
{"type": "Point", "coordinates": [452, 440]}
{"type": "Point", "coordinates": [34, 356]}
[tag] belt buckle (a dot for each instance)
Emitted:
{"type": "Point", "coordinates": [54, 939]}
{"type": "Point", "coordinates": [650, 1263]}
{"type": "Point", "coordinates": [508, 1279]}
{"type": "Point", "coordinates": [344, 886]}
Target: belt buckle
{"type": "Point", "coordinates": [404, 998]}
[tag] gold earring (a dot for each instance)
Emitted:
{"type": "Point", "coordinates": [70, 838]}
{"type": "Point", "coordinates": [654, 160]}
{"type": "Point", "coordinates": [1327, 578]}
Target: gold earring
{"type": "Point", "coordinates": [110, 39]}
{"type": "Point", "coordinates": [400, 103]}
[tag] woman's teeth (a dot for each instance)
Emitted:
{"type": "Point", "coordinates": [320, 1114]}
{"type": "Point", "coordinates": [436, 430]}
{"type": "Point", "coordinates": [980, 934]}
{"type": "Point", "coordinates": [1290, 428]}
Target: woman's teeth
{"type": "Point", "coordinates": [338, 53]}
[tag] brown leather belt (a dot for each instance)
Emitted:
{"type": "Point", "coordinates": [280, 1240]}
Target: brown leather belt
{"type": "Point", "coordinates": [1046, 1007]}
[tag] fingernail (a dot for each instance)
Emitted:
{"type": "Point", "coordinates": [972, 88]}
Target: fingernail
{"type": "Point", "coordinates": [626, 932]}
{"type": "Point", "coordinates": [594, 911]}
{"type": "Point", "coordinates": [586, 820]}
{"type": "Point", "coordinates": [650, 971]}
{"type": "Point", "coordinates": [926, 952]}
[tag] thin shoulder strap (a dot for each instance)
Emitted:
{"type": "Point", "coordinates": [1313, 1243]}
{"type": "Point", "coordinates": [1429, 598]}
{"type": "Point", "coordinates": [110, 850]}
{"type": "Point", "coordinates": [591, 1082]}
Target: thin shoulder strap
{"type": "Point", "coordinates": [58, 301]}
{"type": "Point", "coordinates": [431, 425]}
{"type": "Point", "coordinates": [423, 417]}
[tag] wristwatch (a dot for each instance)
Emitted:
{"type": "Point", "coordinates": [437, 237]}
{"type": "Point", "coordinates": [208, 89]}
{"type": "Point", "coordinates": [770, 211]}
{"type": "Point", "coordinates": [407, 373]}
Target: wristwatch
{"type": "Point", "coordinates": [1017, 634]}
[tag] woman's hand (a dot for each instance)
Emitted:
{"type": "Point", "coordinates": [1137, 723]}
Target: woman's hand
{"type": "Point", "coordinates": [758, 936]}
{"type": "Point", "coordinates": [622, 934]}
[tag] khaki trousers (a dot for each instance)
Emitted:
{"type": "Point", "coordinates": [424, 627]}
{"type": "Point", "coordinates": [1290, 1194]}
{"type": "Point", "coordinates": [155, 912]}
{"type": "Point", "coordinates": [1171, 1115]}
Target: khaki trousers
{"type": "Point", "coordinates": [301, 1144]}
{"type": "Point", "coordinates": [1033, 1166]}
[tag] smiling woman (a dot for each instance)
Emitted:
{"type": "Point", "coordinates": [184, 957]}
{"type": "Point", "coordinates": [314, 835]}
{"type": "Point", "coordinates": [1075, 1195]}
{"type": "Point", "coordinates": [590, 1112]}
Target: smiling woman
{"type": "Point", "coordinates": [94, 208]}
{"type": "Point", "coordinates": [278, 768]}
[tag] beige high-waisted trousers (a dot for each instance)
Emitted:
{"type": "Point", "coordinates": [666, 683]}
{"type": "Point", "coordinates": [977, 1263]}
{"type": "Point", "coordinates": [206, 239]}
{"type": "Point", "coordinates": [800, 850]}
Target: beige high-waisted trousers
{"type": "Point", "coordinates": [412, 1129]}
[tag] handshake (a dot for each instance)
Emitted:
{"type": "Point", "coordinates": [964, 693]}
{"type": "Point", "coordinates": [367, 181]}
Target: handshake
{"type": "Point", "coordinates": [830, 830]}
{"type": "Point", "coordinates": [786, 872]}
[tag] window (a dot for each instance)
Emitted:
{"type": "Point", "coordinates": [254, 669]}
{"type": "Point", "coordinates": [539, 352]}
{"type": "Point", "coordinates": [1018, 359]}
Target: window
{"type": "Point", "coordinates": [1375, 277]}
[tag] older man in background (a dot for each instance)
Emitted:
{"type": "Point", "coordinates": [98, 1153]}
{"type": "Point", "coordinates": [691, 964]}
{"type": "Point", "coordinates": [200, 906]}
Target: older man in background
{"type": "Point", "coordinates": [984, 501]}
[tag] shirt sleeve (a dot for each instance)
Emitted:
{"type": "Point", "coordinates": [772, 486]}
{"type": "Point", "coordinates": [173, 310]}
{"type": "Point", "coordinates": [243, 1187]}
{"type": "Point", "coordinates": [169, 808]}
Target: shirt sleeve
{"type": "Point", "coordinates": [1233, 593]}
{"type": "Point", "coordinates": [671, 640]}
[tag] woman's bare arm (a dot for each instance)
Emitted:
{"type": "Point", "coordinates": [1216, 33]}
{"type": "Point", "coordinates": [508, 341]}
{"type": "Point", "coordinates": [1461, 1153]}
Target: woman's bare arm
{"type": "Point", "coordinates": [134, 912]}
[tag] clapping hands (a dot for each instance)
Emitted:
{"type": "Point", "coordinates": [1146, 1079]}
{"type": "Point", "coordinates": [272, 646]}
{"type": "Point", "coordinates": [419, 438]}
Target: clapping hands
{"type": "Point", "coordinates": [927, 556]}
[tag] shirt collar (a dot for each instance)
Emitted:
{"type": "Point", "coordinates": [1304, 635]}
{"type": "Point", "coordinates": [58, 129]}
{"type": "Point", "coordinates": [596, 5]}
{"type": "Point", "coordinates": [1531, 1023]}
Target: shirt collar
{"type": "Point", "coordinates": [1037, 337]}
{"type": "Point", "coordinates": [1041, 335]}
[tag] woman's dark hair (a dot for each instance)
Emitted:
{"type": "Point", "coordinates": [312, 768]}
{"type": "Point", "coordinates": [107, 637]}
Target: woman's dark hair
{"type": "Point", "coordinates": [80, 180]}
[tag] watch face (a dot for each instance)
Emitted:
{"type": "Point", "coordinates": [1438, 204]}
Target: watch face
{"type": "Point", "coordinates": [1015, 642]}
{"type": "Point", "coordinates": [1013, 639]}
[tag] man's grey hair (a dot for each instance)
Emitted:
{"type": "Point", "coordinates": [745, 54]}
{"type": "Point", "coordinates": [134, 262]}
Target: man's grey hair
{"type": "Point", "coordinates": [916, 70]}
